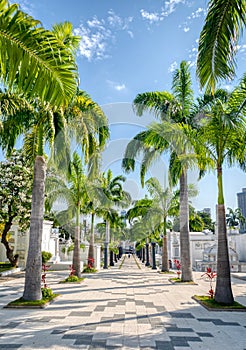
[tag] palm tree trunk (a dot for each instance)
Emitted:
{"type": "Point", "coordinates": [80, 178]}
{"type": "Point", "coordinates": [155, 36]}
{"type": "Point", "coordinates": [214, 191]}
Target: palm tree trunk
{"type": "Point", "coordinates": [91, 256]}
{"type": "Point", "coordinates": [223, 291]}
{"type": "Point", "coordinates": [32, 289]}
{"type": "Point", "coordinates": [184, 230]}
{"type": "Point", "coordinates": [76, 251]}
{"type": "Point", "coordinates": [106, 245]}
{"type": "Point", "coordinates": [165, 264]}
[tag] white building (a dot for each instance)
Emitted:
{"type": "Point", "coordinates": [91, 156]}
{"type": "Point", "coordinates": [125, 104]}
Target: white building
{"type": "Point", "coordinates": [203, 249]}
{"type": "Point", "coordinates": [19, 241]}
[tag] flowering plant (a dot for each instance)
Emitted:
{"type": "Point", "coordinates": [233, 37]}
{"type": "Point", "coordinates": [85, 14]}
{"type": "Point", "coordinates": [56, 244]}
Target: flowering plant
{"type": "Point", "coordinates": [178, 267]}
{"type": "Point", "coordinates": [211, 276]}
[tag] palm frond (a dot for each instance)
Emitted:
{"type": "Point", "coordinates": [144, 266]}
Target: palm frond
{"type": "Point", "coordinates": [182, 91]}
{"type": "Point", "coordinates": [161, 104]}
{"type": "Point", "coordinates": [33, 60]}
{"type": "Point", "coordinates": [216, 51]}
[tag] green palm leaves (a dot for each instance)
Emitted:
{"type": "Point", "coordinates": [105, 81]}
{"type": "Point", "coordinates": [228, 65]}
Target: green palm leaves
{"type": "Point", "coordinates": [217, 44]}
{"type": "Point", "coordinates": [33, 60]}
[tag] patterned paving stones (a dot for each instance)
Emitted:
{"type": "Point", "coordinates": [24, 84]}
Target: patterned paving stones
{"type": "Point", "coordinates": [125, 308]}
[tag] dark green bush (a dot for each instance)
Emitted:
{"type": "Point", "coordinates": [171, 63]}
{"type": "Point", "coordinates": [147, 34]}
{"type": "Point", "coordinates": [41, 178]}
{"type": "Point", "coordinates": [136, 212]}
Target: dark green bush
{"type": "Point", "coordinates": [47, 293]}
{"type": "Point", "coordinates": [72, 279]}
{"type": "Point", "coordinates": [46, 257]}
{"type": "Point", "coordinates": [89, 269]}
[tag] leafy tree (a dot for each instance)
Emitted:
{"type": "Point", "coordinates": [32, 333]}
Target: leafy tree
{"type": "Point", "coordinates": [33, 60]}
{"type": "Point", "coordinates": [15, 198]}
{"type": "Point", "coordinates": [196, 223]}
{"type": "Point", "coordinates": [221, 140]}
{"type": "Point", "coordinates": [218, 41]}
{"type": "Point", "coordinates": [207, 221]}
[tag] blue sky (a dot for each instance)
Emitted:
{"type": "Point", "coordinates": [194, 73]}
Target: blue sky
{"type": "Point", "coordinates": [129, 47]}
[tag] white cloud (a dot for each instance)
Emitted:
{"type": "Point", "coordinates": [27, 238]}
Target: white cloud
{"type": "Point", "coordinates": [116, 86]}
{"type": "Point", "coordinates": [120, 87]}
{"type": "Point", "coordinates": [130, 34]}
{"type": "Point", "coordinates": [94, 40]}
{"type": "Point", "coordinates": [198, 13]}
{"type": "Point", "coordinates": [151, 17]}
{"type": "Point", "coordinates": [227, 87]}
{"type": "Point", "coordinates": [241, 48]}
{"type": "Point", "coordinates": [98, 34]}
{"type": "Point", "coordinates": [117, 22]}
{"type": "Point", "coordinates": [155, 17]}
{"type": "Point", "coordinates": [172, 67]}
{"type": "Point", "coordinates": [170, 6]}
{"type": "Point", "coordinates": [193, 55]}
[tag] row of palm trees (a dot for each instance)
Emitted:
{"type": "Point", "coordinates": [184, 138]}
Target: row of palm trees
{"type": "Point", "coordinates": [208, 134]}
{"type": "Point", "coordinates": [41, 100]}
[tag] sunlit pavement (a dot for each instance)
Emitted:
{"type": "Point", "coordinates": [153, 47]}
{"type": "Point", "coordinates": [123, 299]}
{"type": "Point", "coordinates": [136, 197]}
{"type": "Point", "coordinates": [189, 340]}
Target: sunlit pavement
{"type": "Point", "coordinates": [121, 308]}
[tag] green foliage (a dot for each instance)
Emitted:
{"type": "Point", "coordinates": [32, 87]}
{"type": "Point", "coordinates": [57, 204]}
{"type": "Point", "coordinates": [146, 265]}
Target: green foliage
{"type": "Point", "coordinates": [218, 40]}
{"type": "Point", "coordinates": [47, 293]}
{"type": "Point", "coordinates": [234, 217]}
{"type": "Point", "coordinates": [33, 60]}
{"type": "Point", "coordinates": [46, 257]}
{"type": "Point", "coordinates": [72, 279]}
{"type": "Point", "coordinates": [88, 269]}
{"type": "Point", "coordinates": [16, 190]}
{"type": "Point", "coordinates": [208, 222]}
{"type": "Point", "coordinates": [21, 302]}
{"type": "Point", "coordinates": [209, 302]}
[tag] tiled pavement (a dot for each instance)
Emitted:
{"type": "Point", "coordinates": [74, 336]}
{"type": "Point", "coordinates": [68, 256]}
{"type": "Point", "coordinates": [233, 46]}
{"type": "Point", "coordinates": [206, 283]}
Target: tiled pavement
{"type": "Point", "coordinates": [127, 308]}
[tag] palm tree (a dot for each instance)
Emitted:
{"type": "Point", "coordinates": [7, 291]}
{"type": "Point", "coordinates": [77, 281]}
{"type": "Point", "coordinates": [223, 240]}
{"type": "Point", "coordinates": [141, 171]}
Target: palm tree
{"type": "Point", "coordinates": [223, 26]}
{"type": "Point", "coordinates": [167, 202]}
{"type": "Point", "coordinates": [234, 218]}
{"type": "Point", "coordinates": [33, 60]}
{"type": "Point", "coordinates": [175, 113]}
{"type": "Point", "coordinates": [221, 140]}
{"type": "Point", "coordinates": [72, 190]}
{"type": "Point", "coordinates": [110, 194]}
{"type": "Point", "coordinates": [146, 218]}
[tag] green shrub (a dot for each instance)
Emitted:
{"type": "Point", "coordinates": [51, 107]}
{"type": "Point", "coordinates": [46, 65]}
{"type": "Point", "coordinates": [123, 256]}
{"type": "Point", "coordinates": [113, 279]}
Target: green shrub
{"type": "Point", "coordinates": [47, 293]}
{"type": "Point", "coordinates": [89, 269]}
{"type": "Point", "coordinates": [72, 279]}
{"type": "Point", "coordinates": [46, 257]}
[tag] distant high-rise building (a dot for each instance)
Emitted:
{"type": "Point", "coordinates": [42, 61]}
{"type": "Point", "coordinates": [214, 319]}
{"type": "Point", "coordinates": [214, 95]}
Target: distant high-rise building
{"type": "Point", "coordinates": [241, 200]}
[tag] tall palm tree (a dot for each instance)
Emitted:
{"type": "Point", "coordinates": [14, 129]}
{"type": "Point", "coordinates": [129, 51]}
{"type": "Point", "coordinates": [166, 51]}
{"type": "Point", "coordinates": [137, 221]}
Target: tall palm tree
{"type": "Point", "coordinates": [110, 194]}
{"type": "Point", "coordinates": [173, 109]}
{"type": "Point", "coordinates": [71, 190]}
{"type": "Point", "coordinates": [167, 202]}
{"type": "Point", "coordinates": [33, 61]}
{"type": "Point", "coordinates": [218, 41]}
{"type": "Point", "coordinates": [222, 141]}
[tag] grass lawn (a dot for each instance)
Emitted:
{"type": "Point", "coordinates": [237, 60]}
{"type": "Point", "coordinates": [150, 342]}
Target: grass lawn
{"type": "Point", "coordinates": [177, 280]}
{"type": "Point", "coordinates": [22, 303]}
{"type": "Point", "coordinates": [72, 279]}
{"type": "Point", "coordinates": [5, 267]}
{"type": "Point", "coordinates": [212, 305]}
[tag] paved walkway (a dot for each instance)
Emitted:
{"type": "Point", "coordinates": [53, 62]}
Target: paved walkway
{"type": "Point", "coordinates": [127, 308]}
